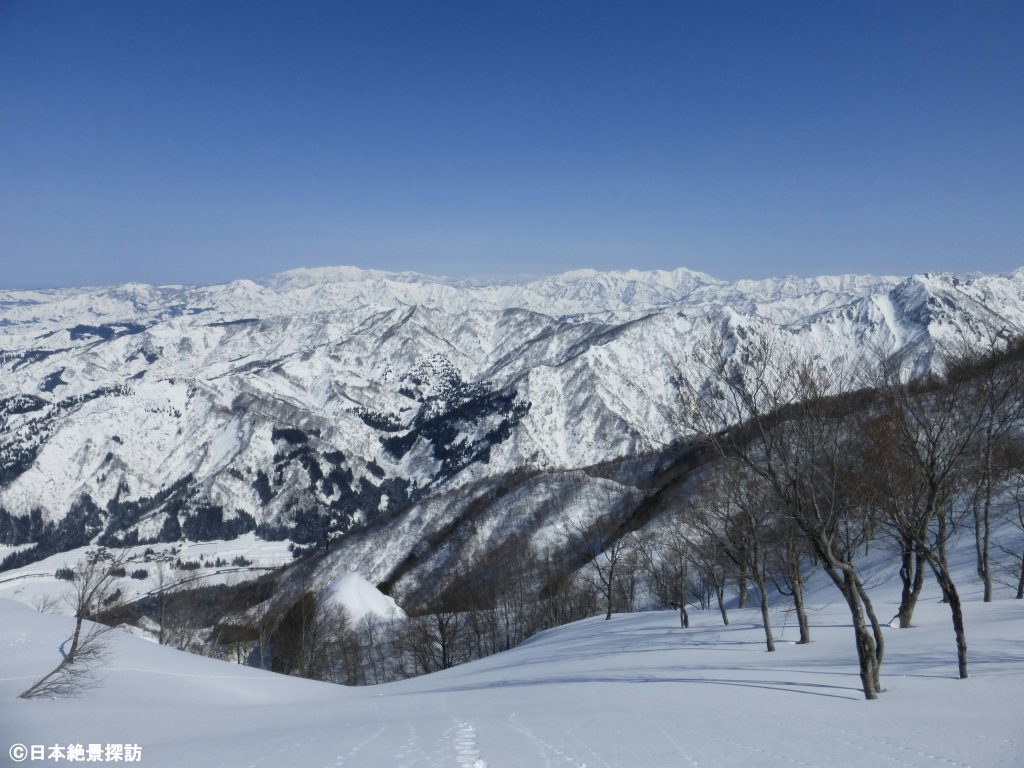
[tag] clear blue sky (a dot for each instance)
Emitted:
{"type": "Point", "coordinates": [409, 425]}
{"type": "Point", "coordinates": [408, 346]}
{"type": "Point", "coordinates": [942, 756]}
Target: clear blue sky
{"type": "Point", "coordinates": [183, 141]}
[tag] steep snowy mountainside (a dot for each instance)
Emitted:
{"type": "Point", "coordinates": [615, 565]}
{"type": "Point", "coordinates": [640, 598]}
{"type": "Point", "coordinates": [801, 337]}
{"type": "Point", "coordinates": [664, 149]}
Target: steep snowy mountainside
{"type": "Point", "coordinates": [318, 400]}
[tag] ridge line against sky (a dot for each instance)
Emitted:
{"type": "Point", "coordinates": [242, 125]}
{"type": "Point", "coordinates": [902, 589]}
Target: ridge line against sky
{"type": "Point", "coordinates": [323, 275]}
{"type": "Point", "coordinates": [198, 143]}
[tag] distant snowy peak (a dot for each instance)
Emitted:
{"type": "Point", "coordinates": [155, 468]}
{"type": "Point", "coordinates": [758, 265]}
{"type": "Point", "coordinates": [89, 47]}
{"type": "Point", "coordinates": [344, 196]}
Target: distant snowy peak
{"type": "Point", "coordinates": [582, 292]}
{"type": "Point", "coordinates": [621, 295]}
{"type": "Point", "coordinates": [306, 277]}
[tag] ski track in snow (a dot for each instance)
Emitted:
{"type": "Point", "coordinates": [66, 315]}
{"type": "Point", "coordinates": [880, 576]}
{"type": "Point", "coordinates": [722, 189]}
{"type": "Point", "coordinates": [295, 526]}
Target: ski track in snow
{"type": "Point", "coordinates": [859, 745]}
{"type": "Point", "coordinates": [408, 754]}
{"type": "Point", "coordinates": [547, 751]}
{"type": "Point", "coordinates": [353, 752]}
{"type": "Point", "coordinates": [728, 745]}
{"type": "Point", "coordinates": [597, 759]}
{"type": "Point", "coordinates": [856, 740]}
{"type": "Point", "coordinates": [682, 751]}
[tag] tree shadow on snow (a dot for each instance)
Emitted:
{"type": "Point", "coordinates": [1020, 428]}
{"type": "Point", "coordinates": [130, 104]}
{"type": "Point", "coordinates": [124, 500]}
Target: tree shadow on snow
{"type": "Point", "coordinates": [783, 686]}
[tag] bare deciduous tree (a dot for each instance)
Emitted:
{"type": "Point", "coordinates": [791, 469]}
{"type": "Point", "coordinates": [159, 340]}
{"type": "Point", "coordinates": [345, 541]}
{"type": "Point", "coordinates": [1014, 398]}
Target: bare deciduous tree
{"type": "Point", "coordinates": [46, 603]}
{"type": "Point", "coordinates": [733, 510]}
{"type": "Point", "coordinates": [713, 567]}
{"type": "Point", "coordinates": [666, 560]}
{"type": "Point", "coordinates": [998, 397]}
{"type": "Point", "coordinates": [789, 551]}
{"type": "Point", "coordinates": [609, 557]}
{"type": "Point", "coordinates": [91, 583]}
{"type": "Point", "coordinates": [929, 425]}
{"type": "Point", "coordinates": [778, 415]}
{"type": "Point", "coordinates": [1017, 520]}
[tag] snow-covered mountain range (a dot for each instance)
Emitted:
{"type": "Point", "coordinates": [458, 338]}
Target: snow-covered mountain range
{"type": "Point", "coordinates": [320, 399]}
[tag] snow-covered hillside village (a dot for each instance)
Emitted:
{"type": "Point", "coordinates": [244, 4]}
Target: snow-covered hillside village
{"type": "Point", "coordinates": [603, 519]}
{"type": "Point", "coordinates": [669, 412]}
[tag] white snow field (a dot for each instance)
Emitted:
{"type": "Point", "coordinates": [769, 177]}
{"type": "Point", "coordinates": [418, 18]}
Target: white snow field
{"type": "Point", "coordinates": [359, 597]}
{"type": "Point", "coordinates": [34, 581]}
{"type": "Point", "coordinates": [632, 692]}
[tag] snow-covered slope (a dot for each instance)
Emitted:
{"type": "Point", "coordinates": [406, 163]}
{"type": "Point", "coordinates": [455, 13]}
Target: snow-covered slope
{"type": "Point", "coordinates": [317, 400]}
{"type": "Point", "coordinates": [360, 598]}
{"type": "Point", "coordinates": [633, 691]}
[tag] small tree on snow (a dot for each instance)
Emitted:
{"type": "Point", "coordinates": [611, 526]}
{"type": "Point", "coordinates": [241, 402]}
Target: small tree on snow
{"type": "Point", "coordinates": [91, 582]}
{"type": "Point", "coordinates": [609, 558]}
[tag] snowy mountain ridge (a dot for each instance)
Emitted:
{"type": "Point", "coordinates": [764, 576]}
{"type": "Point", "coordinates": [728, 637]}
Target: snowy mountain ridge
{"type": "Point", "coordinates": [623, 295]}
{"type": "Point", "coordinates": [318, 400]}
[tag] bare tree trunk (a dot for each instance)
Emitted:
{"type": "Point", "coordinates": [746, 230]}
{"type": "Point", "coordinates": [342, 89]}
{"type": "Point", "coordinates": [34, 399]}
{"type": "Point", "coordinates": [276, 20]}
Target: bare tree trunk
{"type": "Point", "coordinates": [720, 595]}
{"type": "Point", "coordinates": [1020, 579]}
{"type": "Point", "coordinates": [611, 589]}
{"type": "Point", "coordinates": [161, 638]}
{"type": "Point", "coordinates": [69, 657]}
{"type": "Point", "coordinates": [684, 615]}
{"type": "Point", "coordinates": [868, 662]}
{"type": "Point", "coordinates": [765, 619]}
{"type": "Point", "coordinates": [876, 628]}
{"type": "Point", "coordinates": [983, 523]}
{"type": "Point", "coordinates": [797, 586]}
{"type": "Point", "coordinates": [843, 576]}
{"type": "Point", "coordinates": [952, 597]}
{"type": "Point", "coordinates": [161, 579]}
{"type": "Point", "coordinates": [941, 547]}
{"type": "Point", "coordinates": [984, 564]}
{"type": "Point", "coordinates": [912, 576]}
{"type": "Point", "coordinates": [741, 588]}
{"type": "Point", "coordinates": [795, 582]}
{"type": "Point", "coordinates": [866, 651]}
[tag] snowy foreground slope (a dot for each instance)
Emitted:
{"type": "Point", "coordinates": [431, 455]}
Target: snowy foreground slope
{"type": "Point", "coordinates": [632, 692]}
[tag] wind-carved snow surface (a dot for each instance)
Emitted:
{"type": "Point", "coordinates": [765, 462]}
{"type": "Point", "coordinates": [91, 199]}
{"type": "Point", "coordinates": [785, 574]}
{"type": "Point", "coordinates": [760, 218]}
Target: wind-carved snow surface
{"type": "Point", "coordinates": [319, 400]}
{"type": "Point", "coordinates": [636, 691]}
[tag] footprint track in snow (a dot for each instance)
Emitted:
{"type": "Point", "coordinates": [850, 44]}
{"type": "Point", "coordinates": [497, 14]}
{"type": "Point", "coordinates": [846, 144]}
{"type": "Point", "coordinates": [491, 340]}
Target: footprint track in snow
{"type": "Point", "coordinates": [777, 759]}
{"type": "Point", "coordinates": [408, 754]}
{"type": "Point", "coordinates": [342, 759]}
{"type": "Point", "coordinates": [467, 751]}
{"type": "Point", "coordinates": [679, 748]}
{"type": "Point", "coordinates": [897, 746]}
{"type": "Point", "coordinates": [547, 750]}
